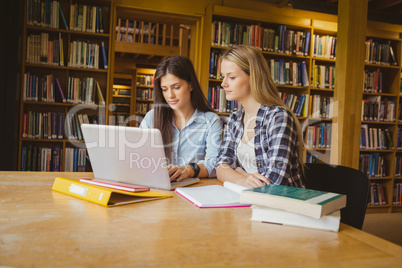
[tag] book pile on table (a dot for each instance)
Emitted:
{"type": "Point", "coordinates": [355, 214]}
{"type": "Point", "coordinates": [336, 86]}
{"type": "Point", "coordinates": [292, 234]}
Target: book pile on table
{"type": "Point", "coordinates": [295, 206]}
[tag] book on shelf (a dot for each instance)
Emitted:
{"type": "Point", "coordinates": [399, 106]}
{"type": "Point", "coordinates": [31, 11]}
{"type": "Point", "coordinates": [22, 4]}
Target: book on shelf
{"type": "Point", "coordinates": [375, 138]}
{"type": "Point", "coordinates": [217, 100]}
{"type": "Point", "coordinates": [398, 166]}
{"type": "Point", "coordinates": [101, 99]}
{"type": "Point", "coordinates": [145, 80]}
{"type": "Point", "coordinates": [43, 13]}
{"type": "Point", "coordinates": [142, 108]}
{"type": "Point", "coordinates": [373, 81]}
{"type": "Point", "coordinates": [397, 197]}
{"type": "Point", "coordinates": [307, 202]}
{"type": "Point", "coordinates": [377, 195]}
{"type": "Point", "coordinates": [142, 93]}
{"type": "Point", "coordinates": [297, 103]}
{"type": "Point", "coordinates": [280, 40]}
{"type": "Point", "coordinates": [86, 18]}
{"type": "Point", "coordinates": [40, 158]}
{"type": "Point", "coordinates": [41, 50]}
{"type": "Point", "coordinates": [73, 124]}
{"type": "Point", "coordinates": [46, 88]}
{"type": "Point", "coordinates": [374, 108]}
{"type": "Point", "coordinates": [43, 125]}
{"type": "Point", "coordinates": [324, 46]}
{"type": "Point", "coordinates": [61, 51]}
{"type": "Point", "coordinates": [399, 138]}
{"type": "Point", "coordinates": [380, 53]}
{"type": "Point", "coordinates": [84, 55]}
{"type": "Point", "coordinates": [214, 196]}
{"type": "Point", "coordinates": [103, 196]}
{"type": "Point", "coordinates": [323, 76]}
{"type": "Point", "coordinates": [264, 214]}
{"type": "Point", "coordinates": [372, 164]}
{"type": "Point", "coordinates": [75, 160]}
{"type": "Point", "coordinates": [84, 90]}
{"type": "Point", "coordinates": [60, 90]}
{"type": "Point", "coordinates": [321, 106]}
{"type": "Point", "coordinates": [123, 90]}
{"type": "Point", "coordinates": [312, 158]}
{"type": "Point", "coordinates": [104, 56]}
{"type": "Point", "coordinates": [319, 135]}
{"type": "Point", "coordinates": [63, 18]}
{"type": "Point", "coordinates": [115, 185]}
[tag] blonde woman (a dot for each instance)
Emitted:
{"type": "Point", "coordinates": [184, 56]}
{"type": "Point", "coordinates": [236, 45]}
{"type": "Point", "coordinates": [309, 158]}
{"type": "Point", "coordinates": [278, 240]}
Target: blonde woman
{"type": "Point", "coordinates": [263, 139]}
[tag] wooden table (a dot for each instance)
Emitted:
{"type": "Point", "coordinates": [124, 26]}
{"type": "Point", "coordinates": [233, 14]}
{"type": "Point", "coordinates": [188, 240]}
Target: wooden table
{"type": "Point", "coordinates": [43, 228]}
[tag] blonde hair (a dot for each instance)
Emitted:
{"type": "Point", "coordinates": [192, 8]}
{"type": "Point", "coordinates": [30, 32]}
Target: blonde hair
{"type": "Point", "coordinates": [262, 87]}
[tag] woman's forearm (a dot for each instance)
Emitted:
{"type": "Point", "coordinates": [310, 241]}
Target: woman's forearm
{"type": "Point", "coordinates": [225, 172]}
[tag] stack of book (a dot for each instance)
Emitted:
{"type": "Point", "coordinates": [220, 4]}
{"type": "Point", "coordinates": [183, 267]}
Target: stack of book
{"type": "Point", "coordinates": [273, 203]}
{"type": "Point", "coordinates": [104, 192]}
{"type": "Point", "coordinates": [295, 206]}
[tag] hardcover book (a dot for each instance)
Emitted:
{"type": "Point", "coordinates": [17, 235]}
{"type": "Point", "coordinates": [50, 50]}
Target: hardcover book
{"type": "Point", "coordinates": [328, 222]}
{"type": "Point", "coordinates": [297, 200]}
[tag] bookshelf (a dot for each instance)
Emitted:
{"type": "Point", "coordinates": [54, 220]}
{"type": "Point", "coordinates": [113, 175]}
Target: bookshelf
{"type": "Point", "coordinates": [141, 39]}
{"type": "Point", "coordinates": [144, 92]}
{"type": "Point", "coordinates": [122, 107]}
{"type": "Point", "coordinates": [64, 83]}
{"type": "Point", "coordinates": [321, 91]}
{"type": "Point", "coordinates": [379, 152]}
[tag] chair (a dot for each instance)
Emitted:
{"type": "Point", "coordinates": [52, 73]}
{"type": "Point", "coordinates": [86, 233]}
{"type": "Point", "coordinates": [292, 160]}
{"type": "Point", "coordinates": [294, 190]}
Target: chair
{"type": "Point", "coordinates": [342, 180]}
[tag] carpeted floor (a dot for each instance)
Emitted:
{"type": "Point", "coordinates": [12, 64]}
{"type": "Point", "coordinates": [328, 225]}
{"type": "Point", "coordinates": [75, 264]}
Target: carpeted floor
{"type": "Point", "coordinates": [385, 225]}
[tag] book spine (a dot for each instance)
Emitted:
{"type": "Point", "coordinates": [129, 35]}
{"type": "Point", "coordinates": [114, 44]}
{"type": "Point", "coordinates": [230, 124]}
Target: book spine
{"type": "Point", "coordinates": [60, 90]}
{"type": "Point", "coordinates": [104, 56]}
{"type": "Point", "coordinates": [60, 126]}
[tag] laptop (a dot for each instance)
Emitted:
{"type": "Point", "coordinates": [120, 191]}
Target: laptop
{"type": "Point", "coordinates": [130, 155]}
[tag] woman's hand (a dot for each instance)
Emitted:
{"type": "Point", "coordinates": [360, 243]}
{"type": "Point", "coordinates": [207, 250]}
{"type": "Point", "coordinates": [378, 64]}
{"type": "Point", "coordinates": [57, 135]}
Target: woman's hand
{"type": "Point", "coordinates": [252, 180]}
{"type": "Point", "coordinates": [179, 173]}
{"type": "Point", "coordinates": [256, 180]}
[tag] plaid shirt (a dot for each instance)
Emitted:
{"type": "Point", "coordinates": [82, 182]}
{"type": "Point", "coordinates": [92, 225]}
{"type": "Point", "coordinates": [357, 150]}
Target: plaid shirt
{"type": "Point", "coordinates": [275, 145]}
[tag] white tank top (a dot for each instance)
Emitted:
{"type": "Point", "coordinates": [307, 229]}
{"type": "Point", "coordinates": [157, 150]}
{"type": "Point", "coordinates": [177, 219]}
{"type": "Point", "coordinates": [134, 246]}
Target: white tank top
{"type": "Point", "coordinates": [246, 156]}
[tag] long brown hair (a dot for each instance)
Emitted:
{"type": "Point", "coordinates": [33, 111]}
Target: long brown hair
{"type": "Point", "coordinates": [181, 67]}
{"type": "Point", "coordinates": [262, 87]}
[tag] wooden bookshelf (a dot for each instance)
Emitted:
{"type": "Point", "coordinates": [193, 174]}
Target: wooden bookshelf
{"type": "Point", "coordinates": [382, 87]}
{"type": "Point", "coordinates": [144, 92]}
{"type": "Point", "coordinates": [141, 39]}
{"type": "Point", "coordinates": [122, 96]}
{"type": "Point", "coordinates": [55, 58]}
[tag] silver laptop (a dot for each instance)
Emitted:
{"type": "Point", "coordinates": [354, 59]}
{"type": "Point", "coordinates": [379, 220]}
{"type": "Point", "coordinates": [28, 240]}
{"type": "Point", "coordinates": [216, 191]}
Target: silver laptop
{"type": "Point", "coordinates": [129, 154]}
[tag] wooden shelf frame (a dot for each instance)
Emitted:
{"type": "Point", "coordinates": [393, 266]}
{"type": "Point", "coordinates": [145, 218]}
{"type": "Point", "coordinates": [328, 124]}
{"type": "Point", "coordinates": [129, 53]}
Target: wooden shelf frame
{"type": "Point", "coordinates": [63, 72]}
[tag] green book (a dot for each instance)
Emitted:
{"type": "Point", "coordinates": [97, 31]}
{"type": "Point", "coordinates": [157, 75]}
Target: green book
{"type": "Point", "coordinates": [297, 200]}
{"type": "Point", "coordinates": [276, 48]}
{"type": "Point", "coordinates": [64, 19]}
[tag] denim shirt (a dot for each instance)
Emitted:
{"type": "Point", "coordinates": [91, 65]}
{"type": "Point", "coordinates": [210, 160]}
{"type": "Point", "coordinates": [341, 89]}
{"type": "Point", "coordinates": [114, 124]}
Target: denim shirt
{"type": "Point", "coordinates": [198, 141]}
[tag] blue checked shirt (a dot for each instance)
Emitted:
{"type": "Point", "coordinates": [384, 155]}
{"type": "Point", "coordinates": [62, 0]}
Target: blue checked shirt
{"type": "Point", "coordinates": [197, 142]}
{"type": "Point", "coordinates": [275, 145]}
